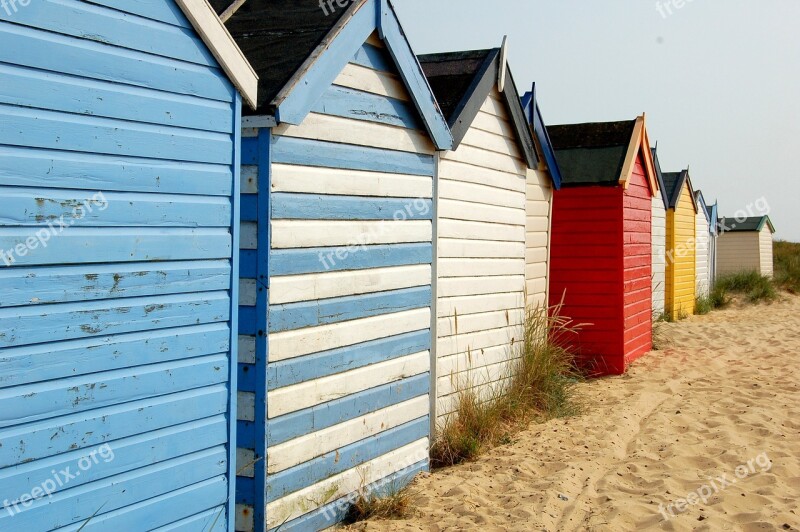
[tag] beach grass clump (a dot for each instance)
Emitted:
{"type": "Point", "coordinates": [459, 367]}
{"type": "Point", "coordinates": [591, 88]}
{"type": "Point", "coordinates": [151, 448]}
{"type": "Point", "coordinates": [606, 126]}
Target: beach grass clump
{"type": "Point", "coordinates": [661, 335]}
{"type": "Point", "coordinates": [787, 266]}
{"type": "Point", "coordinates": [539, 385]}
{"type": "Point", "coordinates": [753, 286]}
{"type": "Point", "coordinates": [393, 505]}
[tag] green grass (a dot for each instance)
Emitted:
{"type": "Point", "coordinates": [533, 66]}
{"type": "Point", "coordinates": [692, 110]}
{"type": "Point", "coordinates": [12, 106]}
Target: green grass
{"type": "Point", "coordinates": [661, 337]}
{"type": "Point", "coordinates": [787, 266]}
{"type": "Point", "coordinates": [540, 385]}
{"type": "Point", "coordinates": [395, 505]}
{"type": "Point", "coordinates": [755, 287]}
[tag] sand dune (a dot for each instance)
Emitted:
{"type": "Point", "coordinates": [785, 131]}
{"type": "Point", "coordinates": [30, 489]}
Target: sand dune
{"type": "Point", "coordinates": [725, 393]}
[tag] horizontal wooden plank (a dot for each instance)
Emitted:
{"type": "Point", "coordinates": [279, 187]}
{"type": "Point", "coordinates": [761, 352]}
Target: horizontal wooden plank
{"type": "Point", "coordinates": [464, 305]}
{"type": "Point", "coordinates": [455, 267]}
{"type": "Point", "coordinates": [494, 143]}
{"type": "Point", "coordinates": [476, 212]}
{"type": "Point", "coordinates": [475, 193]}
{"type": "Point", "coordinates": [28, 364]}
{"type": "Point", "coordinates": [293, 344]}
{"type": "Point", "coordinates": [485, 159]}
{"type": "Point", "coordinates": [471, 323]}
{"type": "Point", "coordinates": [477, 342]}
{"type": "Point", "coordinates": [300, 396]}
{"type": "Point", "coordinates": [60, 131]}
{"type": "Point", "coordinates": [36, 441]}
{"type": "Point", "coordinates": [290, 150]}
{"type": "Point", "coordinates": [347, 182]}
{"type": "Point", "coordinates": [327, 207]}
{"type": "Point", "coordinates": [347, 408]}
{"type": "Point", "coordinates": [449, 365]}
{"type": "Point", "coordinates": [467, 173]}
{"type": "Point", "coordinates": [86, 245]}
{"type": "Point", "coordinates": [87, 21]}
{"type": "Point", "coordinates": [492, 377]}
{"type": "Point", "coordinates": [304, 369]}
{"type": "Point", "coordinates": [22, 326]}
{"type": "Point", "coordinates": [57, 92]}
{"type": "Point", "coordinates": [296, 288]}
{"type": "Point", "coordinates": [37, 207]}
{"type": "Point", "coordinates": [471, 249]}
{"type": "Point", "coordinates": [294, 316]}
{"type": "Point", "coordinates": [168, 13]}
{"type": "Point", "coordinates": [124, 490]}
{"type": "Point", "coordinates": [481, 231]}
{"type": "Point", "coordinates": [64, 284]}
{"type": "Point", "coordinates": [29, 167]}
{"type": "Point", "coordinates": [343, 459]}
{"type": "Point", "coordinates": [320, 260]}
{"type": "Point", "coordinates": [475, 286]}
{"type": "Point", "coordinates": [298, 504]}
{"type": "Point", "coordinates": [58, 53]}
{"type": "Point", "coordinates": [353, 235]}
{"type": "Point", "coordinates": [124, 455]}
{"type": "Point", "coordinates": [327, 128]}
{"type": "Point", "coordinates": [307, 447]}
{"type": "Point", "coordinates": [367, 80]}
{"type": "Point", "coordinates": [359, 105]}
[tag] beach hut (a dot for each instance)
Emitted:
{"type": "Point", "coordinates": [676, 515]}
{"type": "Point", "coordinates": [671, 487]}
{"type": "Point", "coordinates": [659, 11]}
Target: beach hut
{"type": "Point", "coordinates": [681, 245]}
{"type": "Point", "coordinates": [713, 240]}
{"type": "Point", "coordinates": [337, 258]}
{"type": "Point", "coordinates": [481, 223]}
{"type": "Point", "coordinates": [745, 245]}
{"type": "Point", "coordinates": [118, 266]}
{"type": "Point", "coordinates": [660, 207]}
{"type": "Point", "coordinates": [601, 257]}
{"type": "Point", "coordinates": [541, 183]}
{"type": "Point", "coordinates": [703, 246]}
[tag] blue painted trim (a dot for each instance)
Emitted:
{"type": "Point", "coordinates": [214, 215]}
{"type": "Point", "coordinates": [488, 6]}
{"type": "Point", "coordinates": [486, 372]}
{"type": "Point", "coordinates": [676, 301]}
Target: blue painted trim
{"type": "Point", "coordinates": [536, 121]}
{"type": "Point", "coordinates": [262, 308]}
{"type": "Point", "coordinates": [345, 458]}
{"type": "Point", "coordinates": [336, 310]}
{"type": "Point", "coordinates": [336, 511]}
{"type": "Point", "coordinates": [287, 206]}
{"type": "Point", "coordinates": [311, 367]}
{"type": "Point", "coordinates": [248, 261]}
{"type": "Point", "coordinates": [357, 105]}
{"type": "Point", "coordinates": [305, 90]}
{"type": "Point", "coordinates": [320, 154]}
{"type": "Point", "coordinates": [247, 378]}
{"type": "Point", "coordinates": [234, 346]}
{"type": "Point", "coordinates": [320, 417]}
{"type": "Point", "coordinates": [249, 207]}
{"type": "Point", "coordinates": [321, 260]}
{"type": "Point", "coordinates": [413, 76]}
{"type": "Point", "coordinates": [374, 58]}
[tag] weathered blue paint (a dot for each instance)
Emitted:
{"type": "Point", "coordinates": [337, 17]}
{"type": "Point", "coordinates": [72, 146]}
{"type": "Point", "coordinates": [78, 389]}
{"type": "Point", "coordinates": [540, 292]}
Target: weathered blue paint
{"type": "Point", "coordinates": [336, 511]}
{"type": "Point", "coordinates": [539, 128]}
{"type": "Point", "coordinates": [340, 410]}
{"type": "Point", "coordinates": [268, 484]}
{"type": "Point", "coordinates": [309, 260]}
{"type": "Point", "coordinates": [119, 171]}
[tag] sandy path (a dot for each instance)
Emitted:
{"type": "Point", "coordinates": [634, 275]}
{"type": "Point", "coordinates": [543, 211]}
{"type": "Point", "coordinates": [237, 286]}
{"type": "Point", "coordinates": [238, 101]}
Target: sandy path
{"type": "Point", "coordinates": [726, 392]}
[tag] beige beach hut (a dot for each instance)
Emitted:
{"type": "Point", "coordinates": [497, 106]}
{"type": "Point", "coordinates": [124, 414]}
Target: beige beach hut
{"type": "Point", "coordinates": [745, 246]}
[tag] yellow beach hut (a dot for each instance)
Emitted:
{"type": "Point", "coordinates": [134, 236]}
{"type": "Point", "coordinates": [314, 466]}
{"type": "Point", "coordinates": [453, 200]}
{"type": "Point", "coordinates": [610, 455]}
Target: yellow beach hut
{"type": "Point", "coordinates": [681, 282]}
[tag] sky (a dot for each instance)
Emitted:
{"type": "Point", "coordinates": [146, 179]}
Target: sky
{"type": "Point", "coordinates": [718, 79]}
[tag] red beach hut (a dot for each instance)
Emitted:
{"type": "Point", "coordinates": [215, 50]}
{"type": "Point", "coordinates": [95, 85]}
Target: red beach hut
{"type": "Point", "coordinates": [601, 262]}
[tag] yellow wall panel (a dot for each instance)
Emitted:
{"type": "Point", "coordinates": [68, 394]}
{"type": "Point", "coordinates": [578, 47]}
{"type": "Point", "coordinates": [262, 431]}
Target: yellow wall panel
{"type": "Point", "coordinates": [681, 285]}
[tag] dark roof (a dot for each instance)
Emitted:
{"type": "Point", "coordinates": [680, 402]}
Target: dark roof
{"type": "Point", "coordinates": [451, 75]}
{"type": "Point", "coordinates": [673, 183]}
{"type": "Point", "coordinates": [710, 212]}
{"type": "Point", "coordinates": [592, 154]}
{"type": "Point", "coordinates": [752, 224]}
{"type": "Point", "coordinates": [461, 82]}
{"type": "Point", "coordinates": [660, 178]}
{"type": "Point", "coordinates": [277, 36]}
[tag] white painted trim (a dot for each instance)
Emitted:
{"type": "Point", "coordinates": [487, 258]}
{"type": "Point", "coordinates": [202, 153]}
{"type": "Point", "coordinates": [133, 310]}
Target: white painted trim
{"type": "Point", "coordinates": [223, 47]}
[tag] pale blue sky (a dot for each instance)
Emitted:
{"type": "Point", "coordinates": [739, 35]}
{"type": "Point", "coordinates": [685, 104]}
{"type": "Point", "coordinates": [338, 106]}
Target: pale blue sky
{"type": "Point", "coordinates": [719, 79]}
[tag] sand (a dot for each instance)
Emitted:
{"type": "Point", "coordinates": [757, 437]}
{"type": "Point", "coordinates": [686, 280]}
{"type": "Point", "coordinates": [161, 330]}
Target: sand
{"type": "Point", "coordinates": [725, 393]}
